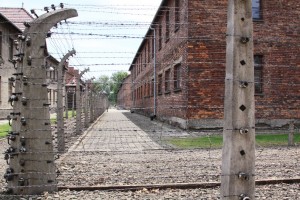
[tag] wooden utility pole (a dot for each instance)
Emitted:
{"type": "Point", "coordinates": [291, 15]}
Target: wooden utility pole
{"type": "Point", "coordinates": [31, 157]}
{"type": "Point", "coordinates": [237, 179]}
{"type": "Point", "coordinates": [60, 108]}
{"type": "Point", "coordinates": [78, 102]}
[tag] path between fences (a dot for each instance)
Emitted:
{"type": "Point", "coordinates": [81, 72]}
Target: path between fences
{"type": "Point", "coordinates": [114, 132]}
{"type": "Point", "coordinates": [123, 148]}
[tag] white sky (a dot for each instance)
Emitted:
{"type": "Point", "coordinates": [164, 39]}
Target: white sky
{"type": "Point", "coordinates": [130, 18]}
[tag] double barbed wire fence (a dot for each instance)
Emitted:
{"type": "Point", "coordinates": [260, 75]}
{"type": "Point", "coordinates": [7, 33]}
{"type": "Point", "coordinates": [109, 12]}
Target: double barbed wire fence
{"type": "Point", "coordinates": [127, 151]}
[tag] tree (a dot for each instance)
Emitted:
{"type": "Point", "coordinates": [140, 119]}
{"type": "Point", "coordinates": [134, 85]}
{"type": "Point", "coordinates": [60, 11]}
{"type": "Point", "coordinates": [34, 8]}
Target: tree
{"type": "Point", "coordinates": [110, 85]}
{"type": "Point", "coordinates": [102, 84]}
{"type": "Point", "coordinates": [116, 81]}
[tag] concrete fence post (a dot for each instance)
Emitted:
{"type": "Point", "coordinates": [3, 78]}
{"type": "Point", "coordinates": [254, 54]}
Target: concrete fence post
{"type": "Point", "coordinates": [31, 156]}
{"type": "Point", "coordinates": [291, 133]}
{"type": "Point", "coordinates": [238, 157]}
{"type": "Point", "coordinates": [78, 102]}
{"type": "Point", "coordinates": [60, 108]}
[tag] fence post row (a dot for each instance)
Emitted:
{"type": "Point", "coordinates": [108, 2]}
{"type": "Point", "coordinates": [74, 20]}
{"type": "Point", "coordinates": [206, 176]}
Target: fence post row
{"type": "Point", "coordinates": [87, 103]}
{"type": "Point", "coordinates": [238, 157]}
{"type": "Point", "coordinates": [30, 155]}
{"type": "Point", "coordinates": [60, 108]}
{"type": "Point", "coordinates": [78, 102]}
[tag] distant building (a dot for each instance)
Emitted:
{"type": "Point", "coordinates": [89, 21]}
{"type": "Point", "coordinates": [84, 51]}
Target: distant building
{"type": "Point", "coordinates": [124, 94]}
{"type": "Point", "coordinates": [71, 81]}
{"type": "Point", "coordinates": [189, 53]}
{"type": "Point", "coordinates": [11, 25]}
{"type": "Point", "coordinates": [51, 65]}
{"type": "Point", "coordinates": [10, 28]}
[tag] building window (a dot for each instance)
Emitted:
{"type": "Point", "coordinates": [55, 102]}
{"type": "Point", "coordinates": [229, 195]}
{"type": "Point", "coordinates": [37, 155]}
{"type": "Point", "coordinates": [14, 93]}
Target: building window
{"type": "Point", "coordinates": [159, 37]}
{"type": "Point", "coordinates": [145, 89]}
{"type": "Point", "coordinates": [159, 84]}
{"type": "Point", "coordinates": [148, 89]}
{"type": "Point", "coordinates": [258, 75]}
{"type": "Point", "coordinates": [0, 43]}
{"type": "Point", "coordinates": [10, 88]}
{"type": "Point", "coordinates": [177, 75]}
{"type": "Point", "coordinates": [177, 15]}
{"type": "Point", "coordinates": [149, 51]}
{"type": "Point", "coordinates": [256, 9]}
{"type": "Point", "coordinates": [49, 95]}
{"type": "Point", "coordinates": [54, 97]}
{"type": "Point", "coordinates": [167, 81]}
{"type": "Point", "coordinates": [167, 25]}
{"type": "Point", "coordinates": [145, 58]}
{"type": "Point", "coordinates": [11, 49]}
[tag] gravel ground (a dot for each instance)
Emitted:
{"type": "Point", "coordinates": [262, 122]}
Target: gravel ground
{"type": "Point", "coordinates": [163, 166]}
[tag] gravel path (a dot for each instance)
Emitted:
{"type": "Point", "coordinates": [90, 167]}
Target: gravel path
{"type": "Point", "coordinates": [131, 165]}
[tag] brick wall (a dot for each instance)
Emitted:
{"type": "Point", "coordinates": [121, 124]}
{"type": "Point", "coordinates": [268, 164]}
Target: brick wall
{"type": "Point", "coordinates": [200, 46]}
{"type": "Point", "coordinates": [275, 39]}
{"type": "Point", "coordinates": [124, 94]}
{"type": "Point", "coordinates": [170, 51]}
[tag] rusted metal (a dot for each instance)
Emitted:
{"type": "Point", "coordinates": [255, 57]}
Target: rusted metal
{"type": "Point", "coordinates": [172, 185]}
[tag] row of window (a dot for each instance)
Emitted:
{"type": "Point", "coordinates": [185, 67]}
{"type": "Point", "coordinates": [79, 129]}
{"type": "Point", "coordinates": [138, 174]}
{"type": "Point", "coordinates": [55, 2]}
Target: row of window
{"type": "Point", "coordinates": [147, 89]}
{"type": "Point", "coordinates": [145, 56]}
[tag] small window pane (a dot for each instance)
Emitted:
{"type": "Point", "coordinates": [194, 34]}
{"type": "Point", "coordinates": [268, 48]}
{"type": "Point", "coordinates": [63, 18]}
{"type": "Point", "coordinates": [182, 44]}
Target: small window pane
{"type": "Point", "coordinates": [177, 75]}
{"type": "Point", "coordinates": [256, 9]}
{"type": "Point", "coordinates": [258, 75]}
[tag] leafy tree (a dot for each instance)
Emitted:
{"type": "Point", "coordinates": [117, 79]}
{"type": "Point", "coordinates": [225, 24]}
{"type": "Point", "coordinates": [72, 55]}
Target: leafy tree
{"type": "Point", "coordinates": [110, 85]}
{"type": "Point", "coordinates": [102, 84]}
{"type": "Point", "coordinates": [116, 81]}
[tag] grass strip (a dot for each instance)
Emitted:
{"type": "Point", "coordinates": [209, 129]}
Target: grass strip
{"type": "Point", "coordinates": [216, 141]}
{"type": "Point", "coordinates": [4, 128]}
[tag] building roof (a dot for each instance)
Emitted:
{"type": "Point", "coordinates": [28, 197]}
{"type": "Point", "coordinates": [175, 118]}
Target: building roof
{"type": "Point", "coordinates": [155, 18]}
{"type": "Point", "coordinates": [17, 16]}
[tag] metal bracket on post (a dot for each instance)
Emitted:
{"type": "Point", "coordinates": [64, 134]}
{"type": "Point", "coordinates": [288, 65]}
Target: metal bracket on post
{"type": "Point", "coordinates": [60, 110]}
{"type": "Point", "coordinates": [238, 156]}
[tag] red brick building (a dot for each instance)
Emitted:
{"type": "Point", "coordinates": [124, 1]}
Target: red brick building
{"type": "Point", "coordinates": [186, 46]}
{"type": "Point", "coordinates": [70, 82]}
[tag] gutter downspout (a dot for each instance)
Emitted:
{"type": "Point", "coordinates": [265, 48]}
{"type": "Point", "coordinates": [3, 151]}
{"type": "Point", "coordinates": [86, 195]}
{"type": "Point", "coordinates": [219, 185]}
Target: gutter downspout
{"type": "Point", "coordinates": [154, 73]}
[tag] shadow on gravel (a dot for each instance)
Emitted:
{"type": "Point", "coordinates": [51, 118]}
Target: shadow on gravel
{"type": "Point", "coordinates": [158, 131]}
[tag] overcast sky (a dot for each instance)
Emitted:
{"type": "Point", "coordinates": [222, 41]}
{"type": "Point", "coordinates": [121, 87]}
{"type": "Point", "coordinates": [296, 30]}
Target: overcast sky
{"type": "Point", "coordinates": [106, 34]}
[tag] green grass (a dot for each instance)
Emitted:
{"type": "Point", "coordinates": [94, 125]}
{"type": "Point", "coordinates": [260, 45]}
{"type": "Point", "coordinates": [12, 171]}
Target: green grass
{"type": "Point", "coordinates": [199, 142]}
{"type": "Point", "coordinates": [275, 140]}
{"type": "Point", "coordinates": [4, 128]}
{"type": "Point", "coordinates": [70, 114]}
{"type": "Point", "coordinates": [217, 140]}
{"type": "Point", "coordinates": [53, 119]}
